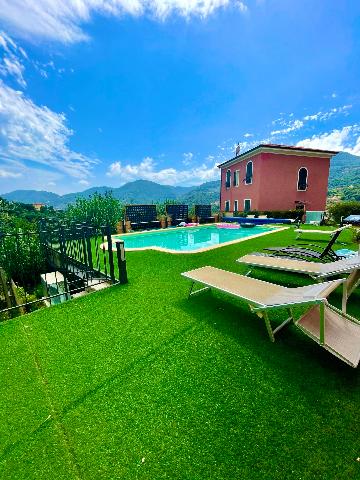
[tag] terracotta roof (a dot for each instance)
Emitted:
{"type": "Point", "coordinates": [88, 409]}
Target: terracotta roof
{"type": "Point", "coordinates": [277, 147]}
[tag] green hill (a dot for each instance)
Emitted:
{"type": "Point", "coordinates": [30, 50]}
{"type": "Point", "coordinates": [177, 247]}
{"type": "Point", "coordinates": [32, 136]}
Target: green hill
{"type": "Point", "coordinates": [139, 191]}
{"type": "Point", "coordinates": [344, 178]}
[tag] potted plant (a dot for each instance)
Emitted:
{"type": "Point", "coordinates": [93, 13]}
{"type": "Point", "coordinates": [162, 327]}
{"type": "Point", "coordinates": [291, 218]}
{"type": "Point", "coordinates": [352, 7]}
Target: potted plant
{"type": "Point", "coordinates": [163, 221]}
{"type": "Point", "coordinates": [120, 227]}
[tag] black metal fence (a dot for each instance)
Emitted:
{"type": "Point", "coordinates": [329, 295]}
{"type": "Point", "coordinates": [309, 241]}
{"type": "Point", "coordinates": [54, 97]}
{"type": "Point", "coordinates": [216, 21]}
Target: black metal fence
{"type": "Point", "coordinates": [55, 263]}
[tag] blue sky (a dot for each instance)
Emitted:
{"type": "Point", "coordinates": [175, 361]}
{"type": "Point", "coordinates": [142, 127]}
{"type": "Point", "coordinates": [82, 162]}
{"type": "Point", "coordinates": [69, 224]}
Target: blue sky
{"type": "Point", "coordinates": [102, 92]}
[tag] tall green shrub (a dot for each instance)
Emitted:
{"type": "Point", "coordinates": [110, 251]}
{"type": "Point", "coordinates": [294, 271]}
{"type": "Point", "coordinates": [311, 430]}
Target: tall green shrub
{"type": "Point", "coordinates": [22, 257]}
{"type": "Point", "coordinates": [343, 209]}
{"type": "Point", "coordinates": [97, 210]}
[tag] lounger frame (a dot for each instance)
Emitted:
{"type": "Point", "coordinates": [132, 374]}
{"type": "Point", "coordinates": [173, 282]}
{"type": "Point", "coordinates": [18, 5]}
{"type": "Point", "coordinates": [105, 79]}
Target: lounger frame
{"type": "Point", "coordinates": [319, 301]}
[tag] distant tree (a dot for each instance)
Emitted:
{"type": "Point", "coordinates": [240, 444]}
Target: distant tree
{"type": "Point", "coordinates": [343, 209]}
{"type": "Point", "coordinates": [96, 210]}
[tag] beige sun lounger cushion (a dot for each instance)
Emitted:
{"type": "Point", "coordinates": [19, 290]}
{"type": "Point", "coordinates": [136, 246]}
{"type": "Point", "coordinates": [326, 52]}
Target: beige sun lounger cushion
{"type": "Point", "coordinates": [301, 231]}
{"type": "Point", "coordinates": [257, 292]}
{"type": "Point", "coordinates": [299, 266]}
{"type": "Point", "coordinates": [342, 337]}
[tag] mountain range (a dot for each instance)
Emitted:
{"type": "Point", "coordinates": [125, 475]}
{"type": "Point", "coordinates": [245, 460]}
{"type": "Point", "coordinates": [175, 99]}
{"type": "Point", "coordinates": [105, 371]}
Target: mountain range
{"type": "Point", "coordinates": [139, 191]}
{"type": "Point", "coordinates": [344, 183]}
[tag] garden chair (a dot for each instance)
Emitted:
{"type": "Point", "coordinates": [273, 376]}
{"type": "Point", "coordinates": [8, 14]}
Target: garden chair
{"type": "Point", "coordinates": [309, 251]}
{"type": "Point", "coordinates": [203, 214]}
{"type": "Point", "coordinates": [316, 270]}
{"type": "Point", "coordinates": [177, 213]}
{"type": "Point", "coordinates": [141, 216]}
{"type": "Point", "coordinates": [332, 329]}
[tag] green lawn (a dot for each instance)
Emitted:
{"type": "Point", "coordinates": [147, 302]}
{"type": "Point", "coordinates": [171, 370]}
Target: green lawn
{"type": "Point", "coordinates": [137, 382]}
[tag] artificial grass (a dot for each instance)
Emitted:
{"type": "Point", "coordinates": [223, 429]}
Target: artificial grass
{"type": "Point", "coordinates": [140, 382]}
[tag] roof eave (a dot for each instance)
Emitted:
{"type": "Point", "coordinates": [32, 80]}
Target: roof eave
{"type": "Point", "coordinates": [270, 148]}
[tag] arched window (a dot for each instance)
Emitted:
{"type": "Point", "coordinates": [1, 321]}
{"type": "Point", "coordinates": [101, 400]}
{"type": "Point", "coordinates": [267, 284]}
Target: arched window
{"type": "Point", "coordinates": [249, 173]}
{"type": "Point", "coordinates": [228, 179]}
{"type": "Point", "coordinates": [302, 179]}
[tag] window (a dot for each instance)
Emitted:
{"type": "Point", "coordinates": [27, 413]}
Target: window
{"type": "Point", "coordinates": [236, 178]}
{"type": "Point", "coordinates": [247, 205]}
{"type": "Point", "coordinates": [249, 173]}
{"type": "Point", "coordinates": [227, 206]}
{"type": "Point", "coordinates": [302, 179]}
{"type": "Point", "coordinates": [236, 206]}
{"type": "Point", "coordinates": [228, 179]}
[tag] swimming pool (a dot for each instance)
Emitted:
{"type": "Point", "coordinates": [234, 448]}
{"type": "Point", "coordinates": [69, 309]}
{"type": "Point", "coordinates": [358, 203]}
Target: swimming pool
{"type": "Point", "coordinates": [190, 239]}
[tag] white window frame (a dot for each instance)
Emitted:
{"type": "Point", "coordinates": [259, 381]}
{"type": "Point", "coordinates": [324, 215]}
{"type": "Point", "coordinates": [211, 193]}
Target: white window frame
{"type": "Point", "coordinates": [247, 200]}
{"type": "Point", "coordinates": [236, 205]}
{"type": "Point", "coordinates": [252, 172]}
{"type": "Point", "coordinates": [298, 178]}
{"type": "Point", "coordinates": [237, 174]}
{"type": "Point", "coordinates": [228, 203]}
{"type": "Point", "coordinates": [226, 177]}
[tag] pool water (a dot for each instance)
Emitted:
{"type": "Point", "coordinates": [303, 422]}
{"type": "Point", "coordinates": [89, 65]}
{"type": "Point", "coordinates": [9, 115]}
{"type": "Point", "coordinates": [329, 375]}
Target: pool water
{"type": "Point", "coordinates": [189, 239]}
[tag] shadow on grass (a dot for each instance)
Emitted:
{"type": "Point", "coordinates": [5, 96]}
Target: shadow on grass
{"type": "Point", "coordinates": [293, 355]}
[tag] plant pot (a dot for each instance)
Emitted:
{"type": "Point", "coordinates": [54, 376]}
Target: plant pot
{"type": "Point", "coordinates": [216, 217]}
{"type": "Point", "coordinates": [120, 227]}
{"type": "Point", "coordinates": [169, 221]}
{"type": "Point", "coordinates": [128, 226]}
{"type": "Point", "coordinates": [163, 222]}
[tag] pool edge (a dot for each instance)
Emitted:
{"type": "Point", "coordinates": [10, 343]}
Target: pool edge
{"type": "Point", "coordinates": [200, 250]}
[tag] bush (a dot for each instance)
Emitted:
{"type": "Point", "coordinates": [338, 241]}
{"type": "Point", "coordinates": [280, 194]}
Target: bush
{"type": "Point", "coordinates": [356, 234]}
{"type": "Point", "coordinates": [97, 210]}
{"type": "Point", "coordinates": [294, 214]}
{"type": "Point", "coordinates": [22, 257]}
{"type": "Point", "coordinates": [343, 209]}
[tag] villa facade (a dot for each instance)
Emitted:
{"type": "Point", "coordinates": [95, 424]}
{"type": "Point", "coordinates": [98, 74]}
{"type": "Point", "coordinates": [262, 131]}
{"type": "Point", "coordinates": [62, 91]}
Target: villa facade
{"type": "Point", "coordinates": [275, 177]}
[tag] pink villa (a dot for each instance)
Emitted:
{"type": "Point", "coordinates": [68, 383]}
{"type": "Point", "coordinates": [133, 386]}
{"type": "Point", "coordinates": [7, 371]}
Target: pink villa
{"type": "Point", "coordinates": [275, 177]}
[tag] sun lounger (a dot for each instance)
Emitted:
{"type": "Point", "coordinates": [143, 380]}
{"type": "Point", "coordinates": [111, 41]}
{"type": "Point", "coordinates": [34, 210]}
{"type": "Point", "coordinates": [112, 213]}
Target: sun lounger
{"type": "Point", "coordinates": [301, 231]}
{"type": "Point", "coordinates": [316, 270]}
{"type": "Point", "coordinates": [308, 251]}
{"type": "Point", "coordinates": [329, 327]}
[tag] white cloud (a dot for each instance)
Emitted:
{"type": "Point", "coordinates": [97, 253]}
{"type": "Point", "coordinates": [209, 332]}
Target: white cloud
{"type": "Point", "coordinates": [146, 170]}
{"type": "Point", "coordinates": [248, 135]}
{"type": "Point", "coordinates": [293, 125]}
{"type": "Point", "coordinates": [322, 116]}
{"type": "Point", "coordinates": [11, 58]}
{"type": "Point", "coordinates": [289, 125]}
{"type": "Point", "coordinates": [20, 176]}
{"type": "Point", "coordinates": [84, 182]}
{"type": "Point", "coordinates": [4, 173]}
{"type": "Point", "coordinates": [345, 139]}
{"type": "Point", "coordinates": [333, 95]}
{"type": "Point", "coordinates": [61, 20]}
{"type": "Point", "coordinates": [187, 158]}
{"type": "Point", "coordinates": [35, 133]}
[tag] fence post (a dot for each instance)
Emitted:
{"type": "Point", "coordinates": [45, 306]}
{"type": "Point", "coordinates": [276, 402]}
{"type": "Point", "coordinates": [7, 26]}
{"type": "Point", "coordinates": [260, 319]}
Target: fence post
{"type": "Point", "coordinates": [88, 247]}
{"type": "Point", "coordinates": [110, 253]}
{"type": "Point", "coordinates": [63, 257]}
{"type": "Point", "coordinates": [120, 250]}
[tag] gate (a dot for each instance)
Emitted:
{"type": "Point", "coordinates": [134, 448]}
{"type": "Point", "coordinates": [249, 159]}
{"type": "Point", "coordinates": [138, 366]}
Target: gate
{"type": "Point", "coordinates": [70, 259]}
